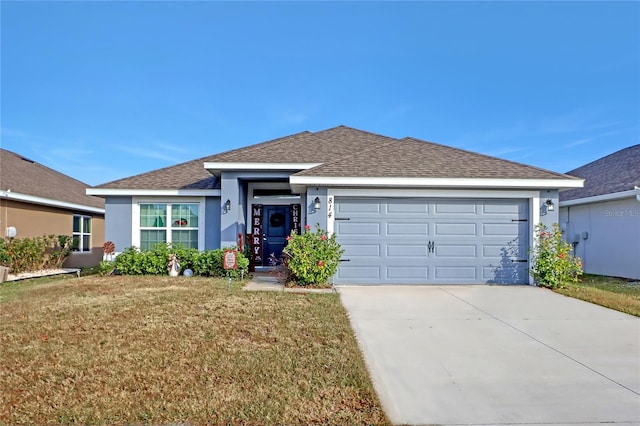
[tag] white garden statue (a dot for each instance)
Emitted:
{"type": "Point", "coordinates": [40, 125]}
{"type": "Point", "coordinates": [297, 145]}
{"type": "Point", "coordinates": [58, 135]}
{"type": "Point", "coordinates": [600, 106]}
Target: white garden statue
{"type": "Point", "coordinates": [173, 267]}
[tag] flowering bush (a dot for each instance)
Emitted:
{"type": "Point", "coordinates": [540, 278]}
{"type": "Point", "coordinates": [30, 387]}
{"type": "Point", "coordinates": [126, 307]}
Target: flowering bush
{"type": "Point", "coordinates": [553, 263]}
{"type": "Point", "coordinates": [34, 254]}
{"type": "Point", "coordinates": [312, 258]}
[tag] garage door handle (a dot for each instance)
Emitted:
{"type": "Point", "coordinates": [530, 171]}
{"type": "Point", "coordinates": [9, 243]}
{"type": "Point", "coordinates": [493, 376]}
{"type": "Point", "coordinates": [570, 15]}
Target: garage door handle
{"type": "Point", "coordinates": [342, 218]}
{"type": "Point", "coordinates": [519, 260]}
{"type": "Point", "coordinates": [345, 260]}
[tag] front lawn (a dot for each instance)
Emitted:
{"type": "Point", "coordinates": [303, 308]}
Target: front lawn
{"type": "Point", "coordinates": [616, 293]}
{"type": "Point", "coordinates": [160, 350]}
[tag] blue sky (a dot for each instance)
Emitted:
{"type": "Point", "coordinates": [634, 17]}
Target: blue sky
{"type": "Point", "coordinates": [105, 90]}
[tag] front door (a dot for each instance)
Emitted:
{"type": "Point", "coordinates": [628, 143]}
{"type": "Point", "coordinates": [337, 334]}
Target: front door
{"type": "Point", "coordinates": [275, 229]}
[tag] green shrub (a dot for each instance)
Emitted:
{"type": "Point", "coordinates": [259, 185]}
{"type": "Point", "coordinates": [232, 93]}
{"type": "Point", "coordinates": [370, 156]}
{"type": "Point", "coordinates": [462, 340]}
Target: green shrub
{"type": "Point", "coordinates": [105, 267]}
{"type": "Point", "coordinates": [553, 263]}
{"type": "Point", "coordinates": [154, 262]}
{"type": "Point", "coordinates": [33, 254]}
{"type": "Point", "coordinates": [313, 257]}
{"type": "Point", "coordinates": [129, 262]}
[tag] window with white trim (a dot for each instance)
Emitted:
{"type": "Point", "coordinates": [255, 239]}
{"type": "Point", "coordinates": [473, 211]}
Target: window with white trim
{"type": "Point", "coordinates": [175, 223]}
{"type": "Point", "coordinates": [81, 237]}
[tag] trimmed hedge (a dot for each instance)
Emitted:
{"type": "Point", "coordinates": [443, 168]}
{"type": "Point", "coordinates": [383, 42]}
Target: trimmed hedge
{"type": "Point", "coordinates": [208, 263]}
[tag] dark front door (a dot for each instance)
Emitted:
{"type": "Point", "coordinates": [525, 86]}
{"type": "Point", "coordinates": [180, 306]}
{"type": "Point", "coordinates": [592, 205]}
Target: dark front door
{"type": "Point", "coordinates": [276, 227]}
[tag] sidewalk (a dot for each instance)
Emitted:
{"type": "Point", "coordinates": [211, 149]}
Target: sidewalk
{"type": "Point", "coordinates": [264, 281]}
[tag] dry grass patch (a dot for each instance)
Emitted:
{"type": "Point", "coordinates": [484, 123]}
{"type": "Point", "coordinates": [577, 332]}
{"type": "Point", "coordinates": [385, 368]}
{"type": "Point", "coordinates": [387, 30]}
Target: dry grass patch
{"type": "Point", "coordinates": [160, 350]}
{"type": "Point", "coordinates": [616, 293]}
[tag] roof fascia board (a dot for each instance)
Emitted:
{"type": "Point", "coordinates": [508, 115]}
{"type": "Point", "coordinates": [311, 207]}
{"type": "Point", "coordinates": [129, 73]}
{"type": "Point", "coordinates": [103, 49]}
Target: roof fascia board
{"type": "Point", "coordinates": [154, 192]}
{"type": "Point", "coordinates": [603, 197]}
{"type": "Point", "coordinates": [435, 182]}
{"type": "Point", "coordinates": [49, 202]}
{"type": "Point", "coordinates": [218, 167]}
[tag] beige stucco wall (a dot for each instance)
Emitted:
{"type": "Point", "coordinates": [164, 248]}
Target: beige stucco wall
{"type": "Point", "coordinates": [33, 220]}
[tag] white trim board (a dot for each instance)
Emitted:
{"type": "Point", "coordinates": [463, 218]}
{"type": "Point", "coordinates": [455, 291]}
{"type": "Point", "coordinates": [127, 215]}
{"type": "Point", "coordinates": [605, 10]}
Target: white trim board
{"type": "Point", "coordinates": [213, 166]}
{"type": "Point", "coordinates": [603, 197]}
{"type": "Point", "coordinates": [155, 192]}
{"type": "Point", "coordinates": [49, 202]}
{"type": "Point", "coordinates": [385, 182]}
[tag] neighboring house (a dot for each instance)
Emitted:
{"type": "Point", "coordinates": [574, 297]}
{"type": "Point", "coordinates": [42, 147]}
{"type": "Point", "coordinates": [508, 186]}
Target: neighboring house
{"type": "Point", "coordinates": [36, 200]}
{"type": "Point", "coordinates": [406, 211]}
{"type": "Point", "coordinates": [602, 220]}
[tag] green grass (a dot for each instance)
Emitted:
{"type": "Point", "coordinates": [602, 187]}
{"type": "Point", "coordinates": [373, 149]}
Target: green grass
{"type": "Point", "coordinates": [616, 293]}
{"type": "Point", "coordinates": [160, 350]}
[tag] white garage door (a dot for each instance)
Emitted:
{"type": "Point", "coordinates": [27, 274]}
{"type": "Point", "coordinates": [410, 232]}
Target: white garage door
{"type": "Point", "coordinates": [432, 241]}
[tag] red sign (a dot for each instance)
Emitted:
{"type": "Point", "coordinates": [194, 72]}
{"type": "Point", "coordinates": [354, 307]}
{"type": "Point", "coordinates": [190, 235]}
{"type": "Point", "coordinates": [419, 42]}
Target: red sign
{"type": "Point", "coordinates": [230, 259]}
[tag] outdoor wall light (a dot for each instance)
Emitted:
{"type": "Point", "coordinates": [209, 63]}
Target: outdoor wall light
{"type": "Point", "coordinates": [550, 205]}
{"type": "Point", "coordinates": [316, 204]}
{"type": "Point", "coordinates": [227, 206]}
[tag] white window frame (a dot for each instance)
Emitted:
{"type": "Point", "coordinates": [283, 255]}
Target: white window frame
{"type": "Point", "coordinates": [82, 233]}
{"type": "Point", "coordinates": [135, 213]}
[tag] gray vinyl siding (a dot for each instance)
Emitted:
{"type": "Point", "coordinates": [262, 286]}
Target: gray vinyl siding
{"type": "Point", "coordinates": [212, 223]}
{"type": "Point", "coordinates": [118, 226]}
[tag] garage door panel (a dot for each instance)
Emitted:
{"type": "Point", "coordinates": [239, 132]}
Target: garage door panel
{"type": "Point", "coordinates": [410, 229]}
{"type": "Point", "coordinates": [408, 251]}
{"type": "Point", "coordinates": [500, 229]}
{"type": "Point", "coordinates": [504, 274]}
{"type": "Point", "coordinates": [404, 208]}
{"type": "Point", "coordinates": [360, 206]}
{"type": "Point", "coordinates": [450, 208]}
{"type": "Point", "coordinates": [360, 273]}
{"type": "Point", "coordinates": [361, 250]}
{"type": "Point", "coordinates": [456, 273]}
{"type": "Point", "coordinates": [455, 251]}
{"type": "Point", "coordinates": [502, 208]}
{"type": "Point", "coordinates": [403, 273]}
{"type": "Point", "coordinates": [455, 229]}
{"type": "Point", "coordinates": [355, 229]}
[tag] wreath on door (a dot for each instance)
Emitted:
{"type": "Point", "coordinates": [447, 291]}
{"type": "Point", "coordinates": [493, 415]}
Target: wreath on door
{"type": "Point", "coordinates": [276, 220]}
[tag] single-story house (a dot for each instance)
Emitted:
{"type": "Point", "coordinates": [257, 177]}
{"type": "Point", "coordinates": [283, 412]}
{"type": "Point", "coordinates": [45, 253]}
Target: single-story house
{"type": "Point", "coordinates": [406, 211]}
{"type": "Point", "coordinates": [36, 200]}
{"type": "Point", "coordinates": [602, 219]}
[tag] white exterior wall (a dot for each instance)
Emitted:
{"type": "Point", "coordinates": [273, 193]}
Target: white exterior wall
{"type": "Point", "coordinates": [611, 245]}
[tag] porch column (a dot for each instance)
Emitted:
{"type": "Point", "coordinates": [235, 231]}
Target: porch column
{"type": "Point", "coordinates": [229, 190]}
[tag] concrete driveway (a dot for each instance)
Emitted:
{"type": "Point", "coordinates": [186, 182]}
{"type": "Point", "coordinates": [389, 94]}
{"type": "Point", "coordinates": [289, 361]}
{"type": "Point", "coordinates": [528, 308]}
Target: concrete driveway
{"type": "Point", "coordinates": [496, 355]}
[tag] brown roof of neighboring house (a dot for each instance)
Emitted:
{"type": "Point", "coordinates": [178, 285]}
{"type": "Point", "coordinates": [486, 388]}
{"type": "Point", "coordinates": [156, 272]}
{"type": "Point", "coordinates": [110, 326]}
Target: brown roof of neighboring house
{"type": "Point", "coordinates": [615, 172]}
{"type": "Point", "coordinates": [24, 176]}
{"type": "Point", "coordinates": [343, 151]}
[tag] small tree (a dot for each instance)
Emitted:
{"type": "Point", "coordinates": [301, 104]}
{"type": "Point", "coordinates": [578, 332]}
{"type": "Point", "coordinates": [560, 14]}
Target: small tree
{"type": "Point", "coordinates": [553, 263]}
{"type": "Point", "coordinates": [313, 257]}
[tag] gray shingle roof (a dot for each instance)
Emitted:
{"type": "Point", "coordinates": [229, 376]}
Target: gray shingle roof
{"type": "Point", "coordinates": [415, 158]}
{"type": "Point", "coordinates": [343, 151]}
{"type": "Point", "coordinates": [616, 172]}
{"type": "Point", "coordinates": [24, 176]}
{"type": "Point", "coordinates": [189, 175]}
